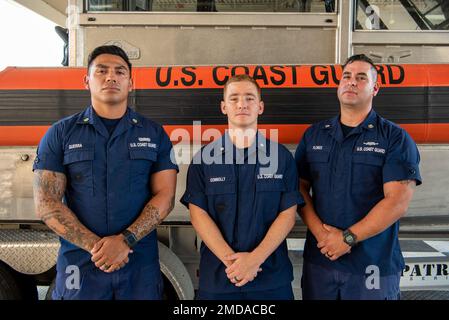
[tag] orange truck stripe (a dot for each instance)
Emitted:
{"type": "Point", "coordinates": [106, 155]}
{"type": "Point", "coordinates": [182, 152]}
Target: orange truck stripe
{"type": "Point", "coordinates": [203, 77]}
{"type": "Point", "coordinates": [287, 133]}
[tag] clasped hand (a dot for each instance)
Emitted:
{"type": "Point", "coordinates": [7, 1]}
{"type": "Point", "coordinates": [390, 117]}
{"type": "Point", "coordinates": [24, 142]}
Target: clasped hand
{"type": "Point", "coordinates": [110, 253]}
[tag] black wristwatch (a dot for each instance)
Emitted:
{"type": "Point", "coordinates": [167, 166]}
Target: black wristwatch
{"type": "Point", "coordinates": [130, 238]}
{"type": "Point", "coordinates": [349, 238]}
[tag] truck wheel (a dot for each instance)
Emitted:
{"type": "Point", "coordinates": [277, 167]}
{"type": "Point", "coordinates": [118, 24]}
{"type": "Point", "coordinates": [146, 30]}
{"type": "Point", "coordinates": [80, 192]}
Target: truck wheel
{"type": "Point", "coordinates": [9, 288]}
{"type": "Point", "coordinates": [177, 281]}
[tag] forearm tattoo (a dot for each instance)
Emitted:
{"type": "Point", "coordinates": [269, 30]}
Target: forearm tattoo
{"type": "Point", "coordinates": [48, 189]}
{"type": "Point", "coordinates": [148, 220]}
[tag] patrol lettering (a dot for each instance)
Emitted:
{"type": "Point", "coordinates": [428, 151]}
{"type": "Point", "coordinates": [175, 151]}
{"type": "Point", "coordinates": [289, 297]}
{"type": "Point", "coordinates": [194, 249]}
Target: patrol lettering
{"type": "Point", "coordinates": [217, 179]}
{"type": "Point", "coordinates": [75, 146]}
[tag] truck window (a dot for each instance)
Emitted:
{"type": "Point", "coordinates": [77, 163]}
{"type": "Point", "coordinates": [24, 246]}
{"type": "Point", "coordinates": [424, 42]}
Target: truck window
{"type": "Point", "coordinates": [413, 15]}
{"type": "Point", "coordinates": [212, 5]}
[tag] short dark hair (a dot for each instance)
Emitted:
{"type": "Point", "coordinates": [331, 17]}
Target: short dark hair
{"type": "Point", "coordinates": [364, 58]}
{"type": "Point", "coordinates": [114, 50]}
{"type": "Point", "coordinates": [240, 78]}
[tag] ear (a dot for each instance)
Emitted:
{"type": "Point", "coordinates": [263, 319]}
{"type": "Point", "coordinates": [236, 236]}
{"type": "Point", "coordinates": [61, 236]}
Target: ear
{"type": "Point", "coordinates": [261, 107]}
{"type": "Point", "coordinates": [86, 82]}
{"type": "Point", "coordinates": [376, 89]}
{"type": "Point", "coordinates": [223, 107]}
{"type": "Point", "coordinates": [131, 83]}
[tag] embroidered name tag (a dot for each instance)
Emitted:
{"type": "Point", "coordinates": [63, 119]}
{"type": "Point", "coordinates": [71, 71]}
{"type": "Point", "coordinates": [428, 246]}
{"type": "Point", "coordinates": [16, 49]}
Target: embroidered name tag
{"type": "Point", "coordinates": [370, 149]}
{"type": "Point", "coordinates": [269, 176]}
{"type": "Point", "coordinates": [142, 145]}
{"type": "Point", "coordinates": [217, 179]}
{"type": "Point", "coordinates": [75, 146]}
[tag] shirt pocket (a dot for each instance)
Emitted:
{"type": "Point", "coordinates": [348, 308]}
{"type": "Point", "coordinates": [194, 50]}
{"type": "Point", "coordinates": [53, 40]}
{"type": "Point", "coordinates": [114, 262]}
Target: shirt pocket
{"type": "Point", "coordinates": [79, 165]}
{"type": "Point", "coordinates": [269, 195]}
{"type": "Point", "coordinates": [221, 197]}
{"type": "Point", "coordinates": [220, 188]}
{"type": "Point", "coordinates": [141, 162]}
{"type": "Point", "coordinates": [367, 172]}
{"type": "Point", "coordinates": [319, 167]}
{"type": "Point", "coordinates": [270, 185]}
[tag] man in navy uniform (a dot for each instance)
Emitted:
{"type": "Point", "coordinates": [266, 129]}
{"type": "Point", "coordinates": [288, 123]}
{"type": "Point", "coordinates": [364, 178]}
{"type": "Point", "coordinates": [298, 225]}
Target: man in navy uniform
{"type": "Point", "coordinates": [113, 168]}
{"type": "Point", "coordinates": [362, 170]}
{"type": "Point", "coordinates": [242, 195]}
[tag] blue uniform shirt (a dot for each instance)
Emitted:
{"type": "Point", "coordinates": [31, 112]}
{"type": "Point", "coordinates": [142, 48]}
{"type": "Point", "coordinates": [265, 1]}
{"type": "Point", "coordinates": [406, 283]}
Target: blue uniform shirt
{"type": "Point", "coordinates": [243, 194]}
{"type": "Point", "coordinates": [108, 177]}
{"type": "Point", "coordinates": [347, 177]}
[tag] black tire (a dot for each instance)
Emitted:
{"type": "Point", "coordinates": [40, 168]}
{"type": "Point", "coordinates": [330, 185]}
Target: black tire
{"type": "Point", "coordinates": [15, 285]}
{"type": "Point", "coordinates": [169, 292]}
{"type": "Point", "coordinates": [9, 287]}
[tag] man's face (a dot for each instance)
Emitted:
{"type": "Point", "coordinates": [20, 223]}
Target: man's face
{"type": "Point", "coordinates": [242, 105]}
{"type": "Point", "coordinates": [357, 86]}
{"type": "Point", "coordinates": [109, 80]}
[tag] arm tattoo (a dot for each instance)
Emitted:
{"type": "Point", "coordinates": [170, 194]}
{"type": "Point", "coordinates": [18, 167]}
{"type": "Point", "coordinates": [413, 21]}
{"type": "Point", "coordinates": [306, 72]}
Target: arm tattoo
{"type": "Point", "coordinates": [49, 187]}
{"type": "Point", "coordinates": [148, 220]}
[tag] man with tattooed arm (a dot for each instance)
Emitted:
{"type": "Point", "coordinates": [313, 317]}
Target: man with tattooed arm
{"type": "Point", "coordinates": [104, 180]}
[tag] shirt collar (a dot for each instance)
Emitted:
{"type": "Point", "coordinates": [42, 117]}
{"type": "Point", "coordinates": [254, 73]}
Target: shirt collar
{"type": "Point", "coordinates": [370, 122]}
{"type": "Point", "coordinates": [260, 144]}
{"type": "Point", "coordinates": [89, 116]}
{"type": "Point", "coordinates": [333, 126]}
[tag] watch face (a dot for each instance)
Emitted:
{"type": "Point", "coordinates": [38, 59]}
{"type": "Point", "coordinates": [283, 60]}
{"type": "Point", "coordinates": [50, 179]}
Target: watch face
{"type": "Point", "coordinates": [130, 238]}
{"type": "Point", "coordinates": [349, 239]}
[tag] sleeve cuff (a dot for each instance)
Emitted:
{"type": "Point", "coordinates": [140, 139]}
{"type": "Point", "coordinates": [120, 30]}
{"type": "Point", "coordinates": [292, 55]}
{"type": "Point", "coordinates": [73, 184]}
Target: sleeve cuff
{"type": "Point", "coordinates": [42, 162]}
{"type": "Point", "coordinates": [289, 199]}
{"type": "Point", "coordinates": [164, 166]}
{"type": "Point", "coordinates": [196, 198]}
{"type": "Point", "coordinates": [398, 172]}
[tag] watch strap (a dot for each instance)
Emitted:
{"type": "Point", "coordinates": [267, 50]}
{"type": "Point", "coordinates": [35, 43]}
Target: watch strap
{"type": "Point", "coordinates": [349, 238]}
{"type": "Point", "coordinates": [130, 238]}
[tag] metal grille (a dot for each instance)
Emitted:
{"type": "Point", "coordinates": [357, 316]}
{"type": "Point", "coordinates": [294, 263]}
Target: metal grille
{"type": "Point", "coordinates": [425, 295]}
{"type": "Point", "coordinates": [29, 251]}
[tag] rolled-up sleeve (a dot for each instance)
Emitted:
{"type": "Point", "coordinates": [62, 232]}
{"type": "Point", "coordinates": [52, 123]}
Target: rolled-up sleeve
{"type": "Point", "coordinates": [402, 159]}
{"type": "Point", "coordinates": [195, 188]}
{"type": "Point", "coordinates": [50, 154]}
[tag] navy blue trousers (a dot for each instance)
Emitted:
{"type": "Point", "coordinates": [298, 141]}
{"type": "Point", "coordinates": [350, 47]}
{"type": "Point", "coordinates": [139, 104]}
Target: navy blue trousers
{"type": "Point", "coordinates": [321, 283]}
